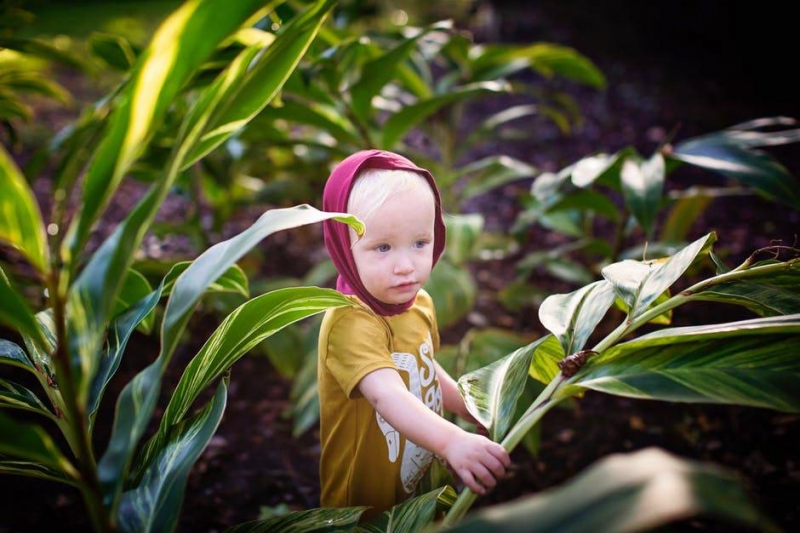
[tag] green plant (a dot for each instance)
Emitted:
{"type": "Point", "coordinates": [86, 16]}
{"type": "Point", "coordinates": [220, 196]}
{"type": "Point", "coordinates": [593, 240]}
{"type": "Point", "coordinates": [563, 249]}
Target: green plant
{"type": "Point", "coordinates": [748, 362]}
{"type": "Point", "coordinates": [629, 193]}
{"type": "Point", "coordinates": [75, 307]}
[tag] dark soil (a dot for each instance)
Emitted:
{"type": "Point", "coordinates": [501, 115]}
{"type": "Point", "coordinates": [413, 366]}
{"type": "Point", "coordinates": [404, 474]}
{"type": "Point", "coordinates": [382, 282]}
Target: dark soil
{"type": "Point", "coordinates": [698, 69]}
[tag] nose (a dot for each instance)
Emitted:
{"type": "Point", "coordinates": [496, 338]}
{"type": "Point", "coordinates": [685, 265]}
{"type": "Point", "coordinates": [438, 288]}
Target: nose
{"type": "Point", "coordinates": [403, 265]}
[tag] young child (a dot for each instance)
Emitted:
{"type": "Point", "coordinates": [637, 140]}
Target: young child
{"type": "Point", "coordinates": [381, 392]}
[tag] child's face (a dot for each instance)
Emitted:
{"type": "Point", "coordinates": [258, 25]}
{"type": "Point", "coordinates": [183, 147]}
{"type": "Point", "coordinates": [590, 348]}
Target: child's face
{"type": "Point", "coordinates": [395, 256]}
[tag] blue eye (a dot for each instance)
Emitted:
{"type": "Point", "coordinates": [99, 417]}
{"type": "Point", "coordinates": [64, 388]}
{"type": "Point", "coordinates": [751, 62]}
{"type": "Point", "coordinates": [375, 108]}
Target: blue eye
{"type": "Point", "coordinates": [420, 244]}
{"type": "Point", "coordinates": [383, 247]}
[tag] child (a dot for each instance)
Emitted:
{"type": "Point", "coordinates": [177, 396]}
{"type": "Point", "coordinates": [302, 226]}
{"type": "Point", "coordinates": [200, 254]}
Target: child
{"type": "Point", "coordinates": [381, 391]}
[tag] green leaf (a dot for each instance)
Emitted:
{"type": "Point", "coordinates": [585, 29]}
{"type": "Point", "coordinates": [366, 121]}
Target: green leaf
{"type": "Point", "coordinates": [242, 330]}
{"type": "Point", "coordinates": [32, 443]}
{"type": "Point", "coordinates": [491, 392]}
{"type": "Point", "coordinates": [547, 354]}
{"type": "Point", "coordinates": [151, 505]}
{"type": "Point", "coordinates": [463, 232]}
{"type": "Point", "coordinates": [21, 224]}
{"type": "Point", "coordinates": [412, 515]}
{"type": "Point", "coordinates": [244, 90]}
{"type": "Point", "coordinates": [639, 283]}
{"type": "Point", "coordinates": [138, 399]}
{"type": "Point", "coordinates": [492, 172]}
{"type": "Point", "coordinates": [11, 354]}
{"type": "Point", "coordinates": [401, 122]}
{"type": "Point", "coordinates": [572, 317]}
{"type": "Point", "coordinates": [319, 520]}
{"type": "Point", "coordinates": [682, 216]}
{"type": "Point", "coordinates": [233, 280]}
{"type": "Point", "coordinates": [725, 153]}
{"type": "Point", "coordinates": [376, 73]}
{"type": "Point", "coordinates": [491, 62]}
{"type": "Point", "coordinates": [641, 491]}
{"type": "Point", "coordinates": [19, 397]}
{"type": "Point", "coordinates": [34, 469]}
{"type": "Point", "coordinates": [178, 48]}
{"type": "Point", "coordinates": [749, 362]}
{"type": "Point", "coordinates": [117, 51]}
{"type": "Point", "coordinates": [15, 312]}
{"type": "Point", "coordinates": [453, 292]}
{"type": "Point", "coordinates": [770, 294]}
{"type": "Point", "coordinates": [642, 186]}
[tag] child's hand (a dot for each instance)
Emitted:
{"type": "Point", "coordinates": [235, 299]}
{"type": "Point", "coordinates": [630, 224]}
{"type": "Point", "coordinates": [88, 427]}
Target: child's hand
{"type": "Point", "coordinates": [477, 460]}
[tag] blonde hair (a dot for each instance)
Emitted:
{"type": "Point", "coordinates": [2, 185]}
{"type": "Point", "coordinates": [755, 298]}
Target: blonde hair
{"type": "Point", "coordinates": [372, 187]}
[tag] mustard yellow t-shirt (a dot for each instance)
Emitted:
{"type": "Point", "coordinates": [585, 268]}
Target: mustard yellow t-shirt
{"type": "Point", "coordinates": [364, 461]}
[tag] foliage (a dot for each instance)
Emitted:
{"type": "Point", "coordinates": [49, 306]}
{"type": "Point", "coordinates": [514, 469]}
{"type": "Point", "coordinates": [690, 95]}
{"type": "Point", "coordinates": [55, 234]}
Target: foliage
{"type": "Point", "coordinates": [91, 299]}
{"type": "Point", "coordinates": [747, 362]}
{"type": "Point", "coordinates": [629, 193]}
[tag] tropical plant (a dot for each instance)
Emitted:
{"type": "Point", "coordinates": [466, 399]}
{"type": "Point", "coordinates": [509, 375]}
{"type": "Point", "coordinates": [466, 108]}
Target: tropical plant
{"type": "Point", "coordinates": [748, 362]}
{"type": "Point", "coordinates": [627, 195]}
{"type": "Point", "coordinates": [73, 306]}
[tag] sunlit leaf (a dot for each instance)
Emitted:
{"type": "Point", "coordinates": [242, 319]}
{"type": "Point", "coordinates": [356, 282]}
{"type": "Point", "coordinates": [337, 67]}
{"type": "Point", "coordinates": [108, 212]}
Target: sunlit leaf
{"type": "Point", "coordinates": [639, 283]}
{"type": "Point", "coordinates": [15, 312]}
{"type": "Point", "coordinates": [750, 362]}
{"type": "Point", "coordinates": [242, 330]}
{"type": "Point", "coordinates": [491, 392]}
{"type": "Point", "coordinates": [411, 515]}
{"type": "Point", "coordinates": [642, 185]}
{"type": "Point", "coordinates": [21, 223]}
{"type": "Point", "coordinates": [573, 317]}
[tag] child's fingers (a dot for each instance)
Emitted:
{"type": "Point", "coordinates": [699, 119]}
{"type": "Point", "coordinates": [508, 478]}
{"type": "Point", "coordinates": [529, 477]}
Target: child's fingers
{"type": "Point", "coordinates": [469, 481]}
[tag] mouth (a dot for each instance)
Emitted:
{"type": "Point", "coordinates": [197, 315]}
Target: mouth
{"type": "Point", "coordinates": [407, 286]}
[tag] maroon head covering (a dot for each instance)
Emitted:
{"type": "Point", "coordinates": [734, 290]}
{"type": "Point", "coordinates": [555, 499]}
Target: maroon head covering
{"type": "Point", "coordinates": [337, 236]}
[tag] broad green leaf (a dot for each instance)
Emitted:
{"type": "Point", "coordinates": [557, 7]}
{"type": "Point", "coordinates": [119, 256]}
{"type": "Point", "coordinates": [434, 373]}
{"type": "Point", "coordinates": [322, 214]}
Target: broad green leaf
{"type": "Point", "coordinates": [572, 317]}
{"type": "Point", "coordinates": [492, 126]}
{"type": "Point", "coordinates": [15, 312]}
{"type": "Point", "coordinates": [641, 491]}
{"type": "Point", "coordinates": [21, 224]}
{"type": "Point", "coordinates": [750, 362]}
{"type": "Point", "coordinates": [151, 505]}
{"type": "Point", "coordinates": [242, 330]}
{"type": "Point", "coordinates": [178, 48]}
{"type": "Point", "coordinates": [453, 292]}
{"type": "Point", "coordinates": [376, 73]}
{"type": "Point", "coordinates": [774, 293]}
{"type": "Point", "coordinates": [138, 399]}
{"type": "Point", "coordinates": [747, 135]}
{"type": "Point", "coordinates": [31, 442]}
{"type": "Point", "coordinates": [240, 94]}
{"type": "Point", "coordinates": [639, 283]}
{"type": "Point", "coordinates": [491, 392]}
{"type": "Point", "coordinates": [411, 515]}
{"type": "Point", "coordinates": [723, 153]}
{"type": "Point", "coordinates": [401, 122]}
{"type": "Point", "coordinates": [546, 355]}
{"type": "Point", "coordinates": [320, 520]}
{"type": "Point", "coordinates": [642, 186]}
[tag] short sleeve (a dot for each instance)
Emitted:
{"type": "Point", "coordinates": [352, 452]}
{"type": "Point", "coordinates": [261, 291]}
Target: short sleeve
{"type": "Point", "coordinates": [357, 343]}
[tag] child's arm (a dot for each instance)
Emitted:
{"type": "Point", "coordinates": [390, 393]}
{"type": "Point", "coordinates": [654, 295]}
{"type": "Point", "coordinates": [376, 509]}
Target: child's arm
{"type": "Point", "coordinates": [477, 460]}
{"type": "Point", "coordinates": [452, 400]}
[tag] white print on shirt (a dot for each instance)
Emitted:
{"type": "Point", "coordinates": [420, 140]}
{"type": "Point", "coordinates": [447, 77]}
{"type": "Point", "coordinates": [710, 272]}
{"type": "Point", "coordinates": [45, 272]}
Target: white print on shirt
{"type": "Point", "coordinates": [415, 458]}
